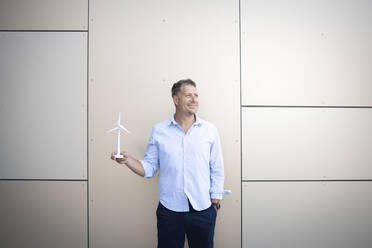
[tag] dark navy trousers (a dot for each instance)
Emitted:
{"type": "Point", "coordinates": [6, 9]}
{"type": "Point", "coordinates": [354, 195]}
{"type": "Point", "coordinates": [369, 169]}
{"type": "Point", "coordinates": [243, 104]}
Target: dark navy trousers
{"type": "Point", "coordinates": [197, 225]}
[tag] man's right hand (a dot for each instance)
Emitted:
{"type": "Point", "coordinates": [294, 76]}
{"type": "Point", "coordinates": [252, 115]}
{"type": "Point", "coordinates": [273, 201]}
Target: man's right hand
{"type": "Point", "coordinates": [123, 160]}
{"type": "Point", "coordinates": [129, 161]}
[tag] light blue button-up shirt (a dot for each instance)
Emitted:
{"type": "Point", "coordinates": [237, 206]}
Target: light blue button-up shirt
{"type": "Point", "coordinates": [191, 164]}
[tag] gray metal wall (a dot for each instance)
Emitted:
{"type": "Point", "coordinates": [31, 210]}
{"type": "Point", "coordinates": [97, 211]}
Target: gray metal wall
{"type": "Point", "coordinates": [287, 83]}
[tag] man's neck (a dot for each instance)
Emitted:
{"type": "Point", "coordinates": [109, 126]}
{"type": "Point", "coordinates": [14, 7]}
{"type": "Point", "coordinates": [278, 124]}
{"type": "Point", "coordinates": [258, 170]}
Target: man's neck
{"type": "Point", "coordinates": [184, 120]}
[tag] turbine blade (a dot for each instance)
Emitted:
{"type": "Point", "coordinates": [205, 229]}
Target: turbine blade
{"type": "Point", "coordinates": [115, 128]}
{"type": "Point", "coordinates": [126, 130]}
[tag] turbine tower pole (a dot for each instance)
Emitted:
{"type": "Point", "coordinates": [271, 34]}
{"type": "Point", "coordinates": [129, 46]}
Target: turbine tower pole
{"type": "Point", "coordinates": [118, 141]}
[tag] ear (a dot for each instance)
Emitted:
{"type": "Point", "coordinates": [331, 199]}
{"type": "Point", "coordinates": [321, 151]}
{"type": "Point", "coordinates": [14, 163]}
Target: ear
{"type": "Point", "coordinates": [175, 100]}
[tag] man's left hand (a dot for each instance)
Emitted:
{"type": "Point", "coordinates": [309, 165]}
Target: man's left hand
{"type": "Point", "coordinates": [215, 209]}
{"type": "Point", "coordinates": [215, 201]}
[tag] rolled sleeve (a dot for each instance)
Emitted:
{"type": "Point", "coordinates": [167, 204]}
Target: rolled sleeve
{"type": "Point", "coordinates": [150, 162]}
{"type": "Point", "coordinates": [216, 166]}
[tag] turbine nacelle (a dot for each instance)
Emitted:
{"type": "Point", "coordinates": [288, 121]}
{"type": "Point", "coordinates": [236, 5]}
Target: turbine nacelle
{"type": "Point", "coordinates": [118, 126]}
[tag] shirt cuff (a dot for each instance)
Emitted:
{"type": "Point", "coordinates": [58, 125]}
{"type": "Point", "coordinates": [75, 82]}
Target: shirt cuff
{"type": "Point", "coordinates": [147, 168]}
{"type": "Point", "coordinates": [216, 196]}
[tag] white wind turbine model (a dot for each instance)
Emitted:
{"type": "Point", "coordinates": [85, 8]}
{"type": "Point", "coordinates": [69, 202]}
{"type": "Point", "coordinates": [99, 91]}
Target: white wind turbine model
{"type": "Point", "coordinates": [118, 126]}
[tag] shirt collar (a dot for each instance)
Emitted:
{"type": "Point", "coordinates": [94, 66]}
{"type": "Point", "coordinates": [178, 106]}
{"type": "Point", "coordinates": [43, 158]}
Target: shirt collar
{"type": "Point", "coordinates": [198, 121]}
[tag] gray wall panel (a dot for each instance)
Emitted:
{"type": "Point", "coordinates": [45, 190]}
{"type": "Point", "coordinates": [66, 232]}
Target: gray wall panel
{"type": "Point", "coordinates": [306, 52]}
{"type": "Point", "coordinates": [43, 105]}
{"type": "Point", "coordinates": [138, 50]}
{"type": "Point", "coordinates": [307, 214]}
{"type": "Point", "coordinates": [43, 15]}
{"type": "Point", "coordinates": [306, 143]}
{"type": "Point", "coordinates": [43, 214]}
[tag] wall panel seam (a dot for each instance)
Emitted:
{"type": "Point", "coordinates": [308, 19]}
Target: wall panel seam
{"type": "Point", "coordinates": [309, 180]}
{"type": "Point", "coordinates": [47, 180]}
{"type": "Point", "coordinates": [241, 128]}
{"type": "Point", "coordinates": [49, 30]}
{"type": "Point", "coordinates": [295, 106]}
{"type": "Point", "coordinates": [88, 223]}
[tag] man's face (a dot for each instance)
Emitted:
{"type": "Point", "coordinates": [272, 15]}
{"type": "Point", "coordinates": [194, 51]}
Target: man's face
{"type": "Point", "coordinates": [187, 100]}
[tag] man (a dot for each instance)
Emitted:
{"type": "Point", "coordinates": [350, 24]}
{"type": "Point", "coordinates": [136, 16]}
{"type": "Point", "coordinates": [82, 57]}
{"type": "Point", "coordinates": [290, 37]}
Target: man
{"type": "Point", "coordinates": [188, 152]}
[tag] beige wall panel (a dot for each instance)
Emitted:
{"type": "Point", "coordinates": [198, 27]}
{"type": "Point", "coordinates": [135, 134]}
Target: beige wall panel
{"type": "Point", "coordinates": [43, 15]}
{"type": "Point", "coordinates": [307, 214]}
{"type": "Point", "coordinates": [43, 105]}
{"type": "Point", "coordinates": [38, 214]}
{"type": "Point", "coordinates": [306, 143]}
{"type": "Point", "coordinates": [138, 49]}
{"type": "Point", "coordinates": [306, 52]}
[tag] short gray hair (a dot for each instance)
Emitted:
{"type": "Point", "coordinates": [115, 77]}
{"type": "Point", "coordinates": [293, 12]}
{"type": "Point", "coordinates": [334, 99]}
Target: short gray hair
{"type": "Point", "coordinates": [176, 88]}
